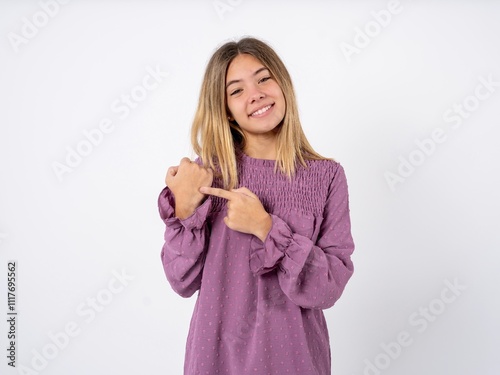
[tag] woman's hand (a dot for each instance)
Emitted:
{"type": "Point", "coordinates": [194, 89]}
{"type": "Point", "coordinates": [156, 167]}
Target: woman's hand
{"type": "Point", "coordinates": [245, 212]}
{"type": "Point", "coordinates": [185, 181]}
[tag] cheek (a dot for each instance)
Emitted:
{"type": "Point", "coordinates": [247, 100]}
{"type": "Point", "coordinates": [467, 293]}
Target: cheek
{"type": "Point", "coordinates": [278, 93]}
{"type": "Point", "coordinates": [280, 97]}
{"type": "Point", "coordinates": [236, 108]}
{"type": "Point", "coordinates": [230, 108]}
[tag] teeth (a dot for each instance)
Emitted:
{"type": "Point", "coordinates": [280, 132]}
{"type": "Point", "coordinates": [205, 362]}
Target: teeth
{"type": "Point", "coordinates": [261, 111]}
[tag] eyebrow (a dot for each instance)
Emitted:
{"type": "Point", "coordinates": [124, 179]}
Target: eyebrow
{"type": "Point", "coordinates": [239, 80]}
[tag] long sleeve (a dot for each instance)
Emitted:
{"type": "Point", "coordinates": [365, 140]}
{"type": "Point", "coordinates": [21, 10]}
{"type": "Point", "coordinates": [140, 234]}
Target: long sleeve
{"type": "Point", "coordinates": [183, 253]}
{"type": "Point", "coordinates": [260, 303]}
{"type": "Point", "coordinates": [312, 275]}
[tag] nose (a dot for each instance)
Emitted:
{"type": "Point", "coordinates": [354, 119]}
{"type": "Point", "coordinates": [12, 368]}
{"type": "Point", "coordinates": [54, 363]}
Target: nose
{"type": "Point", "coordinates": [256, 94]}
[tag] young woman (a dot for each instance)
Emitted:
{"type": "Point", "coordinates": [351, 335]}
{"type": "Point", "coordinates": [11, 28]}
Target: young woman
{"type": "Point", "coordinates": [258, 224]}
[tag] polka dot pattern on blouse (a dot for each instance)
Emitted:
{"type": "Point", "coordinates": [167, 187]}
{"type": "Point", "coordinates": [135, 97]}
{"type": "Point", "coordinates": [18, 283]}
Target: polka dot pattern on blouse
{"type": "Point", "coordinates": [259, 304]}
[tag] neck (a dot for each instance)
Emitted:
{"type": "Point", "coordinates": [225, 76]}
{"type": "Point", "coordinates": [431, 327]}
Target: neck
{"type": "Point", "coordinates": [262, 148]}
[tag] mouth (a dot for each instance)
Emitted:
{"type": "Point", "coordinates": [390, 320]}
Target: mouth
{"type": "Point", "coordinates": [261, 111]}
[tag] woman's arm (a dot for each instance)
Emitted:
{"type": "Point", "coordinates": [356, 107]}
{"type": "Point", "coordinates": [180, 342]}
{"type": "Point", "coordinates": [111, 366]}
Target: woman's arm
{"type": "Point", "coordinates": [312, 275]}
{"type": "Point", "coordinates": [186, 234]}
{"type": "Point", "coordinates": [183, 254]}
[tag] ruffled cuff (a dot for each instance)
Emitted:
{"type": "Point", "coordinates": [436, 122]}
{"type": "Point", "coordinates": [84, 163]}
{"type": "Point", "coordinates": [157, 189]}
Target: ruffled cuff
{"type": "Point", "coordinates": [166, 207]}
{"type": "Point", "coordinates": [265, 256]}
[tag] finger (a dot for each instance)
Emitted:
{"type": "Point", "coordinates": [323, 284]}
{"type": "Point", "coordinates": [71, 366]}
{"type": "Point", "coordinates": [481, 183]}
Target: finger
{"type": "Point", "coordinates": [244, 190]}
{"type": "Point", "coordinates": [172, 171]}
{"type": "Point", "coordinates": [185, 160]}
{"type": "Point", "coordinates": [217, 192]}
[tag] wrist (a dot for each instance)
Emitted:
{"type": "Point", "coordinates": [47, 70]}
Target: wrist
{"type": "Point", "coordinates": [265, 228]}
{"type": "Point", "coordinates": [182, 213]}
{"type": "Point", "coordinates": [185, 206]}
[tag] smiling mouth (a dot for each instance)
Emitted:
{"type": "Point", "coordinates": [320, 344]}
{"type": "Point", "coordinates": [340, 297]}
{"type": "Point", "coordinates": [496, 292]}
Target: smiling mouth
{"type": "Point", "coordinates": [261, 111]}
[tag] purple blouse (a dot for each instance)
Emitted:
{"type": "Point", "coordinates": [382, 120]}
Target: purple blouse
{"type": "Point", "coordinates": [259, 305]}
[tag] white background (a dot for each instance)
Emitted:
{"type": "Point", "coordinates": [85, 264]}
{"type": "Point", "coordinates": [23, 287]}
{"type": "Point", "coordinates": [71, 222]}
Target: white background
{"type": "Point", "coordinates": [70, 236]}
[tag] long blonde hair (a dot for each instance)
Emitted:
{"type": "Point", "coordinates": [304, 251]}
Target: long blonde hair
{"type": "Point", "coordinates": [215, 139]}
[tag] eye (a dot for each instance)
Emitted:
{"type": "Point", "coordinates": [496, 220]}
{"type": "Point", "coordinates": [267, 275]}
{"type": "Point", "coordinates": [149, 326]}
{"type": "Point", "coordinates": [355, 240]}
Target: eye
{"type": "Point", "coordinates": [264, 79]}
{"type": "Point", "coordinates": [235, 92]}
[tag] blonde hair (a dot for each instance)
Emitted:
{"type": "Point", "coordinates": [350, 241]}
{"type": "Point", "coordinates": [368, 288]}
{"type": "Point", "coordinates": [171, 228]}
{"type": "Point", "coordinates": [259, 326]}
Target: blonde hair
{"type": "Point", "coordinates": [214, 138]}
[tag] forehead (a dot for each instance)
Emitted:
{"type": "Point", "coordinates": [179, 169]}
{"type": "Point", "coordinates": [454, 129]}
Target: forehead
{"type": "Point", "coordinates": [243, 65]}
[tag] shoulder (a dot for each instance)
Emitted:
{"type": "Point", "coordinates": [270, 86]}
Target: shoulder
{"type": "Point", "coordinates": [325, 172]}
{"type": "Point", "coordinates": [327, 167]}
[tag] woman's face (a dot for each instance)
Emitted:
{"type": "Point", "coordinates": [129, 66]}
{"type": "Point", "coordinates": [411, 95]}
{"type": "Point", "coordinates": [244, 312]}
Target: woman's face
{"type": "Point", "coordinates": [254, 98]}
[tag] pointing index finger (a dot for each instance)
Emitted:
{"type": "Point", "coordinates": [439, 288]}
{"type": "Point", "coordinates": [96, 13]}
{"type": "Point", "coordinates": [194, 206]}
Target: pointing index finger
{"type": "Point", "coordinates": [217, 192]}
